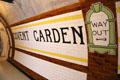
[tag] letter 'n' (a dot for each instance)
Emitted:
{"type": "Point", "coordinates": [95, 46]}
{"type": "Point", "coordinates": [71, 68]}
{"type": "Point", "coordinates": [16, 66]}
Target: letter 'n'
{"type": "Point", "coordinates": [79, 33]}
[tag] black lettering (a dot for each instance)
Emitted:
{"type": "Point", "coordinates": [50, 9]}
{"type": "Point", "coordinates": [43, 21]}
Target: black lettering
{"type": "Point", "coordinates": [100, 24]}
{"type": "Point", "coordinates": [105, 31]}
{"type": "Point", "coordinates": [48, 37]}
{"type": "Point", "coordinates": [78, 33]}
{"type": "Point", "coordinates": [64, 33]}
{"type": "Point", "coordinates": [20, 36]}
{"type": "Point", "coordinates": [94, 24]}
{"type": "Point", "coordinates": [27, 35]}
{"type": "Point", "coordinates": [34, 34]}
{"type": "Point", "coordinates": [99, 33]}
{"type": "Point", "coordinates": [23, 36]}
{"type": "Point", "coordinates": [58, 34]}
{"type": "Point", "coordinates": [41, 35]}
{"type": "Point", "coordinates": [105, 23]}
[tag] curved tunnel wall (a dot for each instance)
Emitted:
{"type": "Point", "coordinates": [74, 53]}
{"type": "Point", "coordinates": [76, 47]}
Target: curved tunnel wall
{"type": "Point", "coordinates": [7, 39]}
{"type": "Point", "coordinates": [22, 9]}
{"type": "Point", "coordinates": [99, 64]}
{"type": "Point", "coordinates": [4, 39]}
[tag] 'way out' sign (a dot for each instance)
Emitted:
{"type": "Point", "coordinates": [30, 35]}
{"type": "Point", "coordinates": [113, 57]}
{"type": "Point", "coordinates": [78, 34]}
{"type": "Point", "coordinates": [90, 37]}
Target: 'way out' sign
{"type": "Point", "coordinates": [101, 29]}
{"type": "Point", "coordinates": [62, 37]}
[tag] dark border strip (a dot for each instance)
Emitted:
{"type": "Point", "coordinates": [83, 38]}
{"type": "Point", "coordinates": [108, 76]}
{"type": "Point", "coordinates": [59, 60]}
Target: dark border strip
{"type": "Point", "coordinates": [29, 73]}
{"type": "Point", "coordinates": [56, 61]}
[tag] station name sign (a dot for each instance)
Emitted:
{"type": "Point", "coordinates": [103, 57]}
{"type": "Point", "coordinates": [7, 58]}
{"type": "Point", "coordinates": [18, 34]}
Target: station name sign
{"type": "Point", "coordinates": [53, 35]}
{"type": "Point", "coordinates": [62, 37]}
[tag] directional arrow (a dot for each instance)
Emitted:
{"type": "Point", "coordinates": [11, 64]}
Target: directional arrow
{"type": "Point", "coordinates": [103, 39]}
